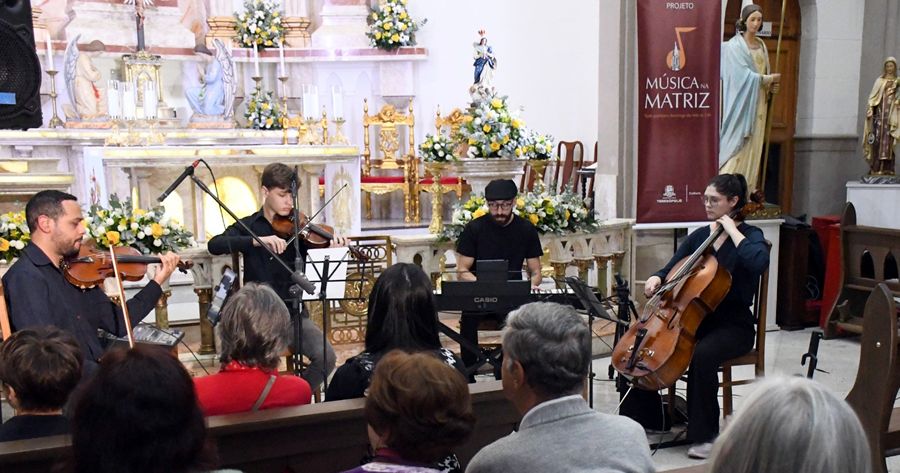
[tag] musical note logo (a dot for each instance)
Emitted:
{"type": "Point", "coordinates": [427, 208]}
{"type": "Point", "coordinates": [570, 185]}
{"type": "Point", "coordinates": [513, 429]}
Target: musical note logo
{"type": "Point", "coordinates": [676, 59]}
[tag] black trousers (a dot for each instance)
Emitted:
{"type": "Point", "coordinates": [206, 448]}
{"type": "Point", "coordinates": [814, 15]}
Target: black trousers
{"type": "Point", "coordinates": [717, 342]}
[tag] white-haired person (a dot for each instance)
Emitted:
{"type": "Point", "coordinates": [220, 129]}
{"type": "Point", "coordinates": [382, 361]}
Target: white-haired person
{"type": "Point", "coordinates": [792, 424]}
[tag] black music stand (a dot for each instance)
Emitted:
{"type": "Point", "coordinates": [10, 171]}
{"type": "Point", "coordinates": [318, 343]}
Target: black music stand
{"type": "Point", "coordinates": [595, 309]}
{"type": "Point", "coordinates": [321, 277]}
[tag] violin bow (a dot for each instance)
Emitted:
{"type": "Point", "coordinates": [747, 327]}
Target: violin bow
{"type": "Point", "coordinates": [128, 329]}
{"type": "Point", "coordinates": [761, 179]}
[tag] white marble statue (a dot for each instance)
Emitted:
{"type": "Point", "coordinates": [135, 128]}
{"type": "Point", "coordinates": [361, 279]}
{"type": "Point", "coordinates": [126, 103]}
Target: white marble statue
{"type": "Point", "coordinates": [84, 82]}
{"type": "Point", "coordinates": [213, 98]}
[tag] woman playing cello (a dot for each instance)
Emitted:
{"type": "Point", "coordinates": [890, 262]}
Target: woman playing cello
{"type": "Point", "coordinates": [728, 331]}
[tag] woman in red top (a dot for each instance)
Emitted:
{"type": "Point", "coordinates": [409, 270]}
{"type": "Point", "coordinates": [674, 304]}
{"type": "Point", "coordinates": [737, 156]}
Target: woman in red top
{"type": "Point", "coordinates": [254, 331]}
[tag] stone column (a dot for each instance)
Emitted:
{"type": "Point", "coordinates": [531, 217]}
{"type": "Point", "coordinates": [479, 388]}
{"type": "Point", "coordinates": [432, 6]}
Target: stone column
{"type": "Point", "coordinates": [559, 273]}
{"type": "Point", "coordinates": [207, 335]}
{"type": "Point", "coordinates": [583, 265]}
{"type": "Point", "coordinates": [602, 266]}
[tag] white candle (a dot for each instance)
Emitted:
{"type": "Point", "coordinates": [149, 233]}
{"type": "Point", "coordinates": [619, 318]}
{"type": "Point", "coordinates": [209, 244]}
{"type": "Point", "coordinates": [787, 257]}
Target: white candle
{"type": "Point", "coordinates": [315, 101]}
{"type": "Point", "coordinates": [307, 101]}
{"type": "Point", "coordinates": [151, 101]}
{"type": "Point", "coordinates": [50, 65]}
{"type": "Point", "coordinates": [281, 57]}
{"type": "Point", "coordinates": [128, 101]}
{"type": "Point", "coordinates": [337, 103]}
{"type": "Point", "coordinates": [114, 99]}
{"type": "Point", "coordinates": [256, 60]}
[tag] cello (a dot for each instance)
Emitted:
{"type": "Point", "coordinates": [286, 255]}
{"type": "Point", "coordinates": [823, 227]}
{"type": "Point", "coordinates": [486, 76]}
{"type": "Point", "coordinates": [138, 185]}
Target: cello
{"type": "Point", "coordinates": [657, 349]}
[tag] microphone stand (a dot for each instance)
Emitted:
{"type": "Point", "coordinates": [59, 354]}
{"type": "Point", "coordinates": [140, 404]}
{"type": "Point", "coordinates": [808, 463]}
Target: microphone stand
{"type": "Point", "coordinates": [295, 290]}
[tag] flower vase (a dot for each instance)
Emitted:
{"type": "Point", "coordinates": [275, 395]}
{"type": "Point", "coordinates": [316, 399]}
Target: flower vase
{"type": "Point", "coordinates": [436, 169]}
{"type": "Point", "coordinates": [478, 172]}
{"type": "Point", "coordinates": [538, 168]}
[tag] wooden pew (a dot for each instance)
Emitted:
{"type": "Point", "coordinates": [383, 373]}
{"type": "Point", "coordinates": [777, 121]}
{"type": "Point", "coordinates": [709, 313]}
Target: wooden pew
{"type": "Point", "coordinates": [326, 437]}
{"type": "Point", "coordinates": [869, 256]}
{"type": "Point", "coordinates": [878, 377]}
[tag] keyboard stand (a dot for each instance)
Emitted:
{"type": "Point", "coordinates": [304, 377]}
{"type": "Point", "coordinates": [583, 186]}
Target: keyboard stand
{"type": "Point", "coordinates": [494, 356]}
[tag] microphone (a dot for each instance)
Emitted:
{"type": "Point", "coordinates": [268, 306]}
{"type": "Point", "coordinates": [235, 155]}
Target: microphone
{"type": "Point", "coordinates": [187, 172]}
{"type": "Point", "coordinates": [301, 280]}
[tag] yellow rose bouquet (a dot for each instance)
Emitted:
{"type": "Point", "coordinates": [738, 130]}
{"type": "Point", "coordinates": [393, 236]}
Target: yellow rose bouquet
{"type": "Point", "coordinates": [491, 129]}
{"type": "Point", "coordinates": [391, 27]}
{"type": "Point", "coordinates": [14, 235]}
{"type": "Point", "coordinates": [263, 112]}
{"type": "Point", "coordinates": [150, 231]}
{"type": "Point", "coordinates": [260, 24]}
{"type": "Point", "coordinates": [550, 212]}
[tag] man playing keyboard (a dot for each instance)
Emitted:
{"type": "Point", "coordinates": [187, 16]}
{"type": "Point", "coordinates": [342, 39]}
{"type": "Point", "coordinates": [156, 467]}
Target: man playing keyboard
{"type": "Point", "coordinates": [498, 235]}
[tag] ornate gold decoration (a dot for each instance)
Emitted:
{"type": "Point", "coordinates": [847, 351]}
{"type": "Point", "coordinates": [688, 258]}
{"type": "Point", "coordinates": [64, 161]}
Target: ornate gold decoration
{"type": "Point", "coordinates": [538, 167]}
{"type": "Point", "coordinates": [207, 335]}
{"type": "Point", "coordinates": [356, 291]}
{"type": "Point", "coordinates": [437, 196]}
{"type": "Point", "coordinates": [387, 120]}
{"type": "Point", "coordinates": [162, 309]}
{"type": "Point", "coordinates": [221, 27]}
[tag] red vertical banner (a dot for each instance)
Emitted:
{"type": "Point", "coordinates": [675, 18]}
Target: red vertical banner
{"type": "Point", "coordinates": [678, 107]}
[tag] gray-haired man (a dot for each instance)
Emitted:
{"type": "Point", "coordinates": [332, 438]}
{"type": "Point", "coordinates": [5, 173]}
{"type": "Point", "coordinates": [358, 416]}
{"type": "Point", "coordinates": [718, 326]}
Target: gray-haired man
{"type": "Point", "coordinates": [546, 355]}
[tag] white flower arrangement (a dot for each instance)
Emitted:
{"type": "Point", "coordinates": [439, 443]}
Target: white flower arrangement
{"type": "Point", "coordinates": [490, 130]}
{"type": "Point", "coordinates": [121, 224]}
{"type": "Point", "coordinates": [437, 149]}
{"type": "Point", "coordinates": [391, 27]}
{"type": "Point", "coordinates": [538, 146]}
{"type": "Point", "coordinates": [260, 24]}
{"type": "Point", "coordinates": [14, 235]}
{"type": "Point", "coordinates": [263, 111]}
{"type": "Point", "coordinates": [550, 212]}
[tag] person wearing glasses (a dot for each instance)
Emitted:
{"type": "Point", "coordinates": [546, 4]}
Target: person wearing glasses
{"type": "Point", "coordinates": [498, 234]}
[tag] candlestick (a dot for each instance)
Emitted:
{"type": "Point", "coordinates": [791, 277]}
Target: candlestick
{"type": "Point", "coordinates": [256, 60]}
{"type": "Point", "coordinates": [338, 138]}
{"type": "Point", "coordinates": [281, 57]}
{"type": "Point", "coordinates": [257, 79]}
{"type": "Point", "coordinates": [324, 124]}
{"type": "Point", "coordinates": [55, 122]}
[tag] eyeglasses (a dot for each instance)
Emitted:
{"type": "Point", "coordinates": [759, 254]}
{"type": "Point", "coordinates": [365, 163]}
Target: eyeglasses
{"type": "Point", "coordinates": [505, 205]}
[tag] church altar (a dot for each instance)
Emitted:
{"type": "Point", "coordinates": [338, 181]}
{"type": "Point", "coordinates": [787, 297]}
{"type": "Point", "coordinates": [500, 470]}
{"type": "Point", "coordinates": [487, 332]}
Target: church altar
{"type": "Point", "coordinates": [78, 161]}
{"type": "Point", "coordinates": [595, 256]}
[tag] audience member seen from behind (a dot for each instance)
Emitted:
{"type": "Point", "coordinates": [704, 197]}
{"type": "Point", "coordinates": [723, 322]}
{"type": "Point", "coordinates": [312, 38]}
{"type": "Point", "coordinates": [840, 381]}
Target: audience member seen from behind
{"type": "Point", "coordinates": [418, 410]}
{"type": "Point", "coordinates": [39, 368]}
{"type": "Point", "coordinates": [254, 333]}
{"type": "Point", "coordinates": [546, 356]}
{"type": "Point", "coordinates": [139, 414]}
{"type": "Point", "coordinates": [793, 424]}
{"type": "Point", "coordinates": [402, 315]}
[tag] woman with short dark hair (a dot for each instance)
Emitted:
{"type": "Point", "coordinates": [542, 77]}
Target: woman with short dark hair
{"type": "Point", "coordinates": [402, 315]}
{"type": "Point", "coordinates": [254, 332]}
{"type": "Point", "coordinates": [418, 409]}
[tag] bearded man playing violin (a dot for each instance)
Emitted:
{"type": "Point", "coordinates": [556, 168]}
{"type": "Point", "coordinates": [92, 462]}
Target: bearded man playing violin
{"type": "Point", "coordinates": [38, 293]}
{"type": "Point", "coordinates": [259, 266]}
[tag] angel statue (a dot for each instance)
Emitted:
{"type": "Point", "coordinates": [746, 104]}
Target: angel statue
{"type": "Point", "coordinates": [485, 62]}
{"type": "Point", "coordinates": [87, 96]}
{"type": "Point", "coordinates": [213, 98]}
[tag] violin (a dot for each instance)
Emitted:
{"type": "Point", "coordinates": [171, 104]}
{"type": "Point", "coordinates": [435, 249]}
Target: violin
{"type": "Point", "coordinates": [316, 235]}
{"type": "Point", "coordinates": [657, 349]}
{"type": "Point", "coordinates": [92, 266]}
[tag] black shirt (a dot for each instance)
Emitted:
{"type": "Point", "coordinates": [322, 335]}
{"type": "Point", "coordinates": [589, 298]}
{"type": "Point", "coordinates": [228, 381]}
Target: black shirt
{"type": "Point", "coordinates": [259, 266]}
{"type": "Point", "coordinates": [483, 238]}
{"type": "Point", "coordinates": [351, 380]}
{"type": "Point", "coordinates": [38, 294]}
{"type": "Point", "coordinates": [24, 427]}
{"type": "Point", "coordinates": [745, 263]}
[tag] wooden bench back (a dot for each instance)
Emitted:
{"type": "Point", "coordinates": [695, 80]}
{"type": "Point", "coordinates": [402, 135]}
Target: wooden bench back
{"type": "Point", "coordinates": [326, 437]}
{"type": "Point", "coordinates": [868, 257]}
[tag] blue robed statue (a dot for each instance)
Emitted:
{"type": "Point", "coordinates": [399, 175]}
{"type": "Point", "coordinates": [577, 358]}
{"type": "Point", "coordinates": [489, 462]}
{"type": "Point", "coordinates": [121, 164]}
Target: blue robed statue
{"type": "Point", "coordinates": [485, 62]}
{"type": "Point", "coordinates": [214, 96]}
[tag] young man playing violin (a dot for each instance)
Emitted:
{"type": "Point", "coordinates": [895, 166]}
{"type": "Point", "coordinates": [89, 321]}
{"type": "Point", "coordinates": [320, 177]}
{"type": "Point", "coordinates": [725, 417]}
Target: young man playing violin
{"type": "Point", "coordinates": [38, 294]}
{"type": "Point", "coordinates": [259, 266]}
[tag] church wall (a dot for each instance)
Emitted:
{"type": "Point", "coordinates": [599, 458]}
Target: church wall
{"type": "Point", "coordinates": [547, 60]}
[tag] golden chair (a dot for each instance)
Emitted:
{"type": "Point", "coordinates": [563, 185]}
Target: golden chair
{"type": "Point", "coordinates": [387, 120]}
{"type": "Point", "coordinates": [450, 123]}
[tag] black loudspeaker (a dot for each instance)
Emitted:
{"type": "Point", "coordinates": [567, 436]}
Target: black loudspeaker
{"type": "Point", "coordinates": [20, 69]}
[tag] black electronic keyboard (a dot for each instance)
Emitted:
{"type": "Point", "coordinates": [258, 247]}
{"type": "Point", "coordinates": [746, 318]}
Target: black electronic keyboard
{"type": "Point", "coordinates": [497, 296]}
